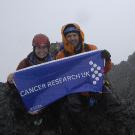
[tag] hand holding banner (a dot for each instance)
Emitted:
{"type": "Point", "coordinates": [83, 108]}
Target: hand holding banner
{"type": "Point", "coordinates": [43, 84]}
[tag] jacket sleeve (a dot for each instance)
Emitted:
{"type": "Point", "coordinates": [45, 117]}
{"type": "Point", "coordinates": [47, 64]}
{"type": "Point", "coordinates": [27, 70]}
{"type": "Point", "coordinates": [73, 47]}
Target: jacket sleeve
{"type": "Point", "coordinates": [108, 64]}
{"type": "Point", "coordinates": [23, 64]}
{"type": "Point", "coordinates": [92, 47]}
{"type": "Point", "coordinates": [60, 55]}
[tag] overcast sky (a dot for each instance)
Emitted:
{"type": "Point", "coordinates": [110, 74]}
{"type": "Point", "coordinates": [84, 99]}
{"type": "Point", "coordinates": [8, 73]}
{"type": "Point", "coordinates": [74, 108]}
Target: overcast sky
{"type": "Point", "coordinates": [109, 24]}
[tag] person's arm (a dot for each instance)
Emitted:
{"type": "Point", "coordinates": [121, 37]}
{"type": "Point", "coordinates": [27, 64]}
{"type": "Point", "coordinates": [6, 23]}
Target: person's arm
{"type": "Point", "coordinates": [106, 55]}
{"type": "Point", "coordinates": [92, 47]}
{"type": "Point", "coordinates": [22, 64]}
{"type": "Point", "coordinates": [10, 79]}
{"type": "Point", "coordinates": [108, 64]}
{"type": "Point", "coordinates": [60, 55]}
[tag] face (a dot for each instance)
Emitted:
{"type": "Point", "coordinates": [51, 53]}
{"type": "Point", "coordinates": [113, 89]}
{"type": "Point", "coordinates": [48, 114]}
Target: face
{"type": "Point", "coordinates": [41, 51]}
{"type": "Point", "coordinates": [73, 38]}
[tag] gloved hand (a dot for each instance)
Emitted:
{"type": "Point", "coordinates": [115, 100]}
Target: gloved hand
{"type": "Point", "coordinates": [10, 78]}
{"type": "Point", "coordinates": [106, 55]}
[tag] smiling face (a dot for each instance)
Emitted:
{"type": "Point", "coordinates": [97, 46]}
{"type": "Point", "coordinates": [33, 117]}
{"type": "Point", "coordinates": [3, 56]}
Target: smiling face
{"type": "Point", "coordinates": [73, 39]}
{"type": "Point", "coordinates": [41, 51]}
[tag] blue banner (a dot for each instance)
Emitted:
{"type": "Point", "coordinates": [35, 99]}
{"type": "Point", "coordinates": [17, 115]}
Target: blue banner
{"type": "Point", "coordinates": [43, 84]}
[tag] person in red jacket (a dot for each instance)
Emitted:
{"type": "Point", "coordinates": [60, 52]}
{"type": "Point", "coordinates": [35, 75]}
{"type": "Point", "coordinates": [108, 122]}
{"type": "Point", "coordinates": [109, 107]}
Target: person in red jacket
{"type": "Point", "coordinates": [40, 54]}
{"type": "Point", "coordinates": [74, 104]}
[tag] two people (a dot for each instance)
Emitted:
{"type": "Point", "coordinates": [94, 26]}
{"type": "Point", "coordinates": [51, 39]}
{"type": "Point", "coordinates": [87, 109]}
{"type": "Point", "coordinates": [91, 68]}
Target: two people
{"type": "Point", "coordinates": [73, 43]}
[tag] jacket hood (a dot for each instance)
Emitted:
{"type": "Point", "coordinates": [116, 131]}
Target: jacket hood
{"type": "Point", "coordinates": [68, 47]}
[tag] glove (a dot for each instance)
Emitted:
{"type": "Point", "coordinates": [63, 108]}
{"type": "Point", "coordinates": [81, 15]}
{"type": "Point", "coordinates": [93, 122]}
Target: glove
{"type": "Point", "coordinates": [106, 55]}
{"type": "Point", "coordinates": [10, 78]}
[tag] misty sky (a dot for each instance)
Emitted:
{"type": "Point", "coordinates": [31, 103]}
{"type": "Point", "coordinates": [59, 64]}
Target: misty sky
{"type": "Point", "coordinates": [109, 24]}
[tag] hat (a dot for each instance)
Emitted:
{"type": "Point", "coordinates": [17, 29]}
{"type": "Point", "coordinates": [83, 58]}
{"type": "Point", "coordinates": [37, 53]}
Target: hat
{"type": "Point", "coordinates": [71, 29]}
{"type": "Point", "coordinates": [41, 39]}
